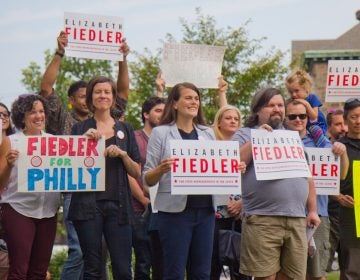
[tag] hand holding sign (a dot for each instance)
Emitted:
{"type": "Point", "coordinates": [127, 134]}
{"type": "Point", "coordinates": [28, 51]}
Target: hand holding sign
{"type": "Point", "coordinates": [62, 42]}
{"type": "Point", "coordinates": [114, 151]}
{"type": "Point", "coordinates": [312, 219]}
{"type": "Point", "coordinates": [12, 156]}
{"type": "Point", "coordinates": [93, 134]}
{"type": "Point", "coordinates": [124, 48]}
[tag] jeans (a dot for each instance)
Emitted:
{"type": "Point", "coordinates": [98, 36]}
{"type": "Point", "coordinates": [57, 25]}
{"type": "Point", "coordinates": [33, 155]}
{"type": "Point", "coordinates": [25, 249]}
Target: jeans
{"type": "Point", "coordinates": [73, 266]}
{"type": "Point", "coordinates": [117, 237]}
{"type": "Point", "coordinates": [187, 238]}
{"type": "Point", "coordinates": [142, 249]}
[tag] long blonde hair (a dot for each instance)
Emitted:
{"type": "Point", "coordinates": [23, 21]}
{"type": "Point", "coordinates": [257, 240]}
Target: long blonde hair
{"type": "Point", "coordinates": [218, 117]}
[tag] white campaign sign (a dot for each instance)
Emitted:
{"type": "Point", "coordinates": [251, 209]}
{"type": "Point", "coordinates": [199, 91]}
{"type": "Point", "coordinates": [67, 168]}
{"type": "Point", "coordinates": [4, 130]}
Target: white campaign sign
{"type": "Point", "coordinates": [93, 36]}
{"type": "Point", "coordinates": [325, 169]}
{"type": "Point", "coordinates": [343, 80]}
{"type": "Point", "coordinates": [205, 167]}
{"type": "Point", "coordinates": [278, 154]}
{"type": "Point", "coordinates": [61, 163]}
{"type": "Point", "coordinates": [197, 64]}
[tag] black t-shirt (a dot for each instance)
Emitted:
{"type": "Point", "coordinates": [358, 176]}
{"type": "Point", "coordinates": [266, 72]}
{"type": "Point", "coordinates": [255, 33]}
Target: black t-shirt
{"type": "Point", "coordinates": [353, 152]}
{"type": "Point", "coordinates": [111, 179]}
{"type": "Point", "coordinates": [195, 201]}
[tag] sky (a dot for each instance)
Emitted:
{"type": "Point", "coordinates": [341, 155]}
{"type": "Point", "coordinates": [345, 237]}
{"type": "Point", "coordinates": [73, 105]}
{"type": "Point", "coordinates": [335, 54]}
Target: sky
{"type": "Point", "coordinates": [29, 28]}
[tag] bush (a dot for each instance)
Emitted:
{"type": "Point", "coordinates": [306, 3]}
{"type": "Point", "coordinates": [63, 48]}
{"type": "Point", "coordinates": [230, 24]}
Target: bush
{"type": "Point", "coordinates": [56, 263]}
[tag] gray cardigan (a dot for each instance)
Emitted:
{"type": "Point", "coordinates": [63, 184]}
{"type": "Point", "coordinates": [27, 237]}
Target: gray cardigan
{"type": "Point", "coordinates": [158, 149]}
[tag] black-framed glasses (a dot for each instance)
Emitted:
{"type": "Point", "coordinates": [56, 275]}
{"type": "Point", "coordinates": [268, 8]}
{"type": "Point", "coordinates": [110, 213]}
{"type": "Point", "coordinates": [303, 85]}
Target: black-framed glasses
{"type": "Point", "coordinates": [292, 117]}
{"type": "Point", "coordinates": [4, 115]}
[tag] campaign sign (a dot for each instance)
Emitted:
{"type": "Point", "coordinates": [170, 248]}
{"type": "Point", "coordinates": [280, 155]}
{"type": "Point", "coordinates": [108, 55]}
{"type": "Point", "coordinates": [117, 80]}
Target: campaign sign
{"type": "Point", "coordinates": [343, 80]}
{"type": "Point", "coordinates": [93, 36]}
{"type": "Point", "coordinates": [205, 167]}
{"type": "Point", "coordinates": [356, 188]}
{"type": "Point", "coordinates": [325, 170]}
{"type": "Point", "coordinates": [197, 64]}
{"type": "Point", "coordinates": [278, 154]}
{"type": "Point", "coordinates": [61, 164]}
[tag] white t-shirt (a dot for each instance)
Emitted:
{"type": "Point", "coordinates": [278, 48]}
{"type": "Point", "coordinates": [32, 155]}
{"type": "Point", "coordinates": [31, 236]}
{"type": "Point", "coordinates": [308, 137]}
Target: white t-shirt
{"type": "Point", "coordinates": [34, 205]}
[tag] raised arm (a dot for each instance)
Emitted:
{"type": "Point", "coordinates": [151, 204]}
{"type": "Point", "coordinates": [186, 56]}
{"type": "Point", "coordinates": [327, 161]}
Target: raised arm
{"type": "Point", "coordinates": [123, 74]}
{"type": "Point", "coordinates": [160, 85]}
{"type": "Point", "coordinates": [52, 70]}
{"type": "Point", "coordinates": [221, 91]}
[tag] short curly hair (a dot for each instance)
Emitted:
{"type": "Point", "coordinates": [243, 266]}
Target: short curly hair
{"type": "Point", "coordinates": [24, 103]}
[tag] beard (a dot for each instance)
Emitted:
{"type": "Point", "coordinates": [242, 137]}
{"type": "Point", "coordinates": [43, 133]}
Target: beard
{"type": "Point", "coordinates": [153, 124]}
{"type": "Point", "coordinates": [275, 123]}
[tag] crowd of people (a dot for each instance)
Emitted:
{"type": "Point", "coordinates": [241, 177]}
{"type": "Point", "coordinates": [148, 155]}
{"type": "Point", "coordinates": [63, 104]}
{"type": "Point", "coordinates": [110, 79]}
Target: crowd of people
{"type": "Point", "coordinates": [181, 239]}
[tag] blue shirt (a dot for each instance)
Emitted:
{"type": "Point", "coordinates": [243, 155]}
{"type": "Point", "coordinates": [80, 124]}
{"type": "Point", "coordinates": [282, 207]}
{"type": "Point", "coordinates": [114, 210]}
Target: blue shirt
{"type": "Point", "coordinates": [314, 101]}
{"type": "Point", "coordinates": [321, 200]}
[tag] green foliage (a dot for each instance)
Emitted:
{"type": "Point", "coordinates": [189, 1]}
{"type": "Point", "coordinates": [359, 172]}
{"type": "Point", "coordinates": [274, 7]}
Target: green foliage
{"type": "Point", "coordinates": [31, 77]}
{"type": "Point", "coordinates": [56, 263]}
{"type": "Point", "coordinates": [143, 75]}
{"type": "Point", "coordinates": [247, 67]}
{"type": "Point", "coordinates": [72, 69]}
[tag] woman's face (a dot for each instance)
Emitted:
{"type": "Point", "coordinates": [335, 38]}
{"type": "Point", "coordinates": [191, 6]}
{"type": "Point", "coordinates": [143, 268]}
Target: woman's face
{"type": "Point", "coordinates": [5, 118]}
{"type": "Point", "coordinates": [188, 104]}
{"type": "Point", "coordinates": [229, 122]}
{"type": "Point", "coordinates": [102, 97]}
{"type": "Point", "coordinates": [35, 119]}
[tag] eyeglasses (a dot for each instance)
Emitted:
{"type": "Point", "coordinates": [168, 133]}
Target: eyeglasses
{"type": "Point", "coordinates": [4, 115]}
{"type": "Point", "coordinates": [350, 102]}
{"type": "Point", "coordinates": [292, 117]}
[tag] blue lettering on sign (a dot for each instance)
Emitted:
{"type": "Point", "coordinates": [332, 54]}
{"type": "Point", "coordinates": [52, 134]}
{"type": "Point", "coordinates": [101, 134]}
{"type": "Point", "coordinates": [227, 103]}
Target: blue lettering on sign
{"type": "Point", "coordinates": [61, 179]}
{"type": "Point", "coordinates": [34, 175]}
{"type": "Point", "coordinates": [93, 172]}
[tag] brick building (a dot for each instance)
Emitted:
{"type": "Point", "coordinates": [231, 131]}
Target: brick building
{"type": "Point", "coordinates": [313, 56]}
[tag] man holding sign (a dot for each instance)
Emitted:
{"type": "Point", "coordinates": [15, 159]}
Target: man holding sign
{"type": "Point", "coordinates": [296, 119]}
{"type": "Point", "coordinates": [348, 224]}
{"type": "Point", "coordinates": [273, 234]}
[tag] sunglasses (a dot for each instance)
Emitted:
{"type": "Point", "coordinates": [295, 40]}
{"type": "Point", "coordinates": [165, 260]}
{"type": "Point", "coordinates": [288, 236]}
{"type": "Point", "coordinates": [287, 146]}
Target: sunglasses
{"type": "Point", "coordinates": [4, 115]}
{"type": "Point", "coordinates": [292, 117]}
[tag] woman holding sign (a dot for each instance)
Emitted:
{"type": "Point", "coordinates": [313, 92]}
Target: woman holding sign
{"type": "Point", "coordinates": [226, 122]}
{"type": "Point", "coordinates": [29, 219]}
{"type": "Point", "coordinates": [185, 222]}
{"type": "Point", "coordinates": [107, 213]}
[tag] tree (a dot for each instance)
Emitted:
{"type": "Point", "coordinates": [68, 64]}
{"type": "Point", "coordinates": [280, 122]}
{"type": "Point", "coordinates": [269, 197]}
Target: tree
{"type": "Point", "coordinates": [72, 69]}
{"type": "Point", "coordinates": [246, 65]}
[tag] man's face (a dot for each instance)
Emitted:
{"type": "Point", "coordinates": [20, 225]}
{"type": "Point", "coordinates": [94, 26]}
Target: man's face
{"type": "Point", "coordinates": [353, 122]}
{"type": "Point", "coordinates": [78, 102]}
{"type": "Point", "coordinates": [337, 129]}
{"type": "Point", "coordinates": [296, 118]}
{"type": "Point", "coordinates": [273, 113]}
{"type": "Point", "coordinates": [155, 114]}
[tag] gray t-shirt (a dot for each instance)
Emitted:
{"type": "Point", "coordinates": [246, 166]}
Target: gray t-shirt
{"type": "Point", "coordinates": [282, 197]}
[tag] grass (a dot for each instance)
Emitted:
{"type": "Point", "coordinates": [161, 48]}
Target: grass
{"type": "Point", "coordinates": [333, 275]}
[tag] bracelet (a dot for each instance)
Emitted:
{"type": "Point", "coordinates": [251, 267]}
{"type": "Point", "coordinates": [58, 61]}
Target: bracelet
{"type": "Point", "coordinates": [59, 54]}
